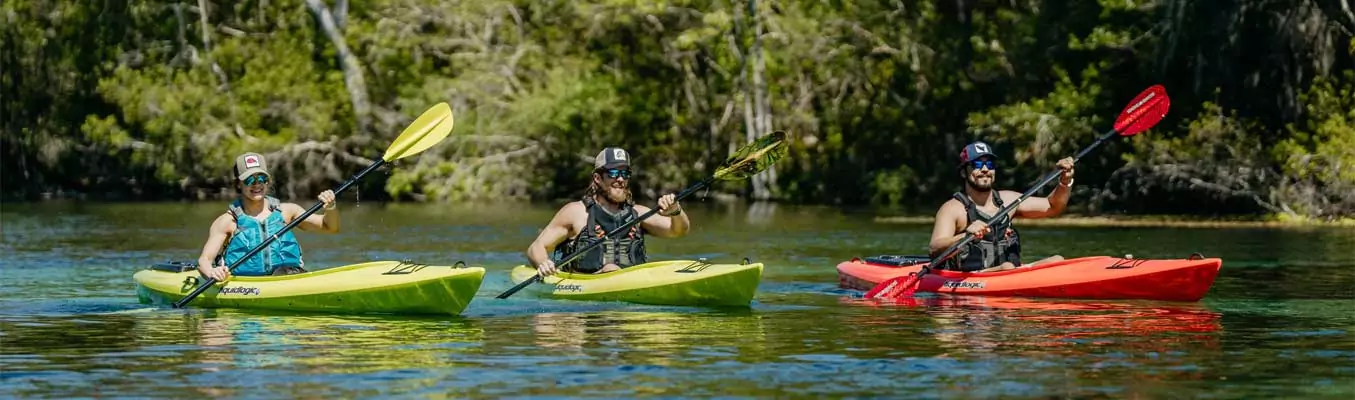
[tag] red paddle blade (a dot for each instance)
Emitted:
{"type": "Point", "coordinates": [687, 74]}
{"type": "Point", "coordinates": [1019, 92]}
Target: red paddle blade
{"type": "Point", "coordinates": [1144, 112]}
{"type": "Point", "coordinates": [895, 288]}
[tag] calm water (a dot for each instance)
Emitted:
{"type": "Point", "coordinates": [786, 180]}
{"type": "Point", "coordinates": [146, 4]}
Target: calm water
{"type": "Point", "coordinates": [1279, 322]}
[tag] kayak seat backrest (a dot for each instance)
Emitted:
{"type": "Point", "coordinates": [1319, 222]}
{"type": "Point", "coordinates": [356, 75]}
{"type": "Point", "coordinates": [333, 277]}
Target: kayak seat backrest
{"type": "Point", "coordinates": [175, 266]}
{"type": "Point", "coordinates": [897, 261]}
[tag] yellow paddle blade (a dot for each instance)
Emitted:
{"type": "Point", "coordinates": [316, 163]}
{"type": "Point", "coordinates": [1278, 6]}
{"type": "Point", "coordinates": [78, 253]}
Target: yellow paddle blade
{"type": "Point", "coordinates": [754, 157]}
{"type": "Point", "coordinates": [426, 131]}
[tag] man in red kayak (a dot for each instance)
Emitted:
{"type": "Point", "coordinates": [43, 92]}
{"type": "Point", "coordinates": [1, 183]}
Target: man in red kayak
{"type": "Point", "coordinates": [997, 245]}
{"type": "Point", "coordinates": [251, 219]}
{"type": "Point", "coordinates": [606, 205]}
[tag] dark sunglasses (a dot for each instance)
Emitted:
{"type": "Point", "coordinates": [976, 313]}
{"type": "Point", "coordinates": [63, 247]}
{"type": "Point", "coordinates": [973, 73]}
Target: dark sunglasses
{"type": "Point", "coordinates": [256, 179]}
{"type": "Point", "coordinates": [614, 173]}
{"type": "Point", "coordinates": [979, 164]}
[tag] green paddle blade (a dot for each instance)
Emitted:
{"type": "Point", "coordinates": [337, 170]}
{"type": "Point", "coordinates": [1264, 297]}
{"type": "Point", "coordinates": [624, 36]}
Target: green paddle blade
{"type": "Point", "coordinates": [754, 157]}
{"type": "Point", "coordinates": [426, 131]}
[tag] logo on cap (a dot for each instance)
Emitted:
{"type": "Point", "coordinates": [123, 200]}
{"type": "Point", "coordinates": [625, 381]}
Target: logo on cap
{"type": "Point", "coordinates": [251, 161]}
{"type": "Point", "coordinates": [618, 154]}
{"type": "Point", "coordinates": [981, 147]}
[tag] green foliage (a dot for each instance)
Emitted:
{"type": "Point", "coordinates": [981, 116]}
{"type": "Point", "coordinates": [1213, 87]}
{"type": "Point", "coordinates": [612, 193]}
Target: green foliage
{"type": "Point", "coordinates": [1319, 158]}
{"type": "Point", "coordinates": [1324, 147]}
{"type": "Point", "coordinates": [1045, 129]}
{"type": "Point", "coordinates": [1219, 161]}
{"type": "Point", "coordinates": [876, 97]}
{"type": "Point", "coordinates": [891, 187]}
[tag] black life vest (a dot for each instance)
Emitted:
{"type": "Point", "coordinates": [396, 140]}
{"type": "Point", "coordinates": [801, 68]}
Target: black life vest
{"type": "Point", "coordinates": [1001, 244]}
{"type": "Point", "coordinates": [624, 250]}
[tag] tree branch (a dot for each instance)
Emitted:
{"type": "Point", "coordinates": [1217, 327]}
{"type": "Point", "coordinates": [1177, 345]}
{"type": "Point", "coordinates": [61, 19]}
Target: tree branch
{"type": "Point", "coordinates": [1339, 11]}
{"type": "Point", "coordinates": [341, 14]}
{"type": "Point", "coordinates": [349, 63]}
{"type": "Point", "coordinates": [207, 47]}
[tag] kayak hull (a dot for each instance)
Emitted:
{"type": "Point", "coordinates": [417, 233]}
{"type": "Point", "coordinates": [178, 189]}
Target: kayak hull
{"type": "Point", "coordinates": [674, 283]}
{"type": "Point", "coordinates": [384, 287]}
{"type": "Point", "coordinates": [1101, 277]}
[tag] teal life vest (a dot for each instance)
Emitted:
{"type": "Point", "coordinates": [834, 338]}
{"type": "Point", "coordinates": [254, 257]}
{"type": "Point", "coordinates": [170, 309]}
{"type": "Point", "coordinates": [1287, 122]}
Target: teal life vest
{"type": "Point", "coordinates": [249, 232]}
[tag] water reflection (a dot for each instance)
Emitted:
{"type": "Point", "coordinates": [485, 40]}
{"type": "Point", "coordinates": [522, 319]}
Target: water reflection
{"type": "Point", "coordinates": [563, 331]}
{"type": "Point", "coordinates": [971, 322]}
{"type": "Point", "coordinates": [1092, 342]}
{"type": "Point", "coordinates": [336, 344]}
{"type": "Point", "coordinates": [228, 342]}
{"type": "Point", "coordinates": [651, 338]}
{"type": "Point", "coordinates": [761, 213]}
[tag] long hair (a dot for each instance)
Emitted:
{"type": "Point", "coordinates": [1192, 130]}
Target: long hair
{"type": "Point", "coordinates": [595, 189]}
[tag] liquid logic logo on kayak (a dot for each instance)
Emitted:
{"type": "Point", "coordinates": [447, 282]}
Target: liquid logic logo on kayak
{"type": "Point", "coordinates": [963, 285]}
{"type": "Point", "coordinates": [568, 288]}
{"type": "Point", "coordinates": [240, 290]}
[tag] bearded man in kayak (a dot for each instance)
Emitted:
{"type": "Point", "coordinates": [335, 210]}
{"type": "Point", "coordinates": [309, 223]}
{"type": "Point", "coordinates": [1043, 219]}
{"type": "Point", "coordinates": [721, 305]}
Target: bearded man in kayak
{"type": "Point", "coordinates": [251, 219]}
{"type": "Point", "coordinates": [606, 205]}
{"type": "Point", "coordinates": [997, 246]}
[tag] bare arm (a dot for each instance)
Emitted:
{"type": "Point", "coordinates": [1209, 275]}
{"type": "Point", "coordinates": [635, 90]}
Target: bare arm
{"type": "Point", "coordinates": [948, 222]}
{"type": "Point", "coordinates": [322, 223]}
{"type": "Point", "coordinates": [670, 226]}
{"type": "Point", "coordinates": [1041, 207]}
{"type": "Point", "coordinates": [559, 229]}
{"type": "Point", "coordinates": [221, 229]}
{"type": "Point", "coordinates": [1044, 207]}
{"type": "Point", "coordinates": [661, 226]}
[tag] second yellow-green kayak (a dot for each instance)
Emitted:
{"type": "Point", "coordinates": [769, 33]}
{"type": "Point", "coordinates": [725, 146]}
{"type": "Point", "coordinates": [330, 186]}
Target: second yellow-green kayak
{"type": "Point", "coordinates": [675, 283]}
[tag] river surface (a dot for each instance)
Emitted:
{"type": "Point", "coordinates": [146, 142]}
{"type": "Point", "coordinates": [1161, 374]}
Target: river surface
{"type": "Point", "coordinates": [1278, 322]}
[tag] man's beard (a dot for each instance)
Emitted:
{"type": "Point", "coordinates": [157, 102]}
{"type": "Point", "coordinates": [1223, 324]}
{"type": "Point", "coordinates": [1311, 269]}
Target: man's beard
{"type": "Point", "coordinates": [971, 182]}
{"type": "Point", "coordinates": [616, 195]}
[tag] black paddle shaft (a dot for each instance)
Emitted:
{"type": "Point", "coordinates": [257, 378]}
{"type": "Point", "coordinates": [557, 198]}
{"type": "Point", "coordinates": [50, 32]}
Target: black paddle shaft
{"type": "Point", "coordinates": [945, 255]}
{"type": "Point", "coordinates": [572, 256]}
{"type": "Point", "coordinates": [209, 282]}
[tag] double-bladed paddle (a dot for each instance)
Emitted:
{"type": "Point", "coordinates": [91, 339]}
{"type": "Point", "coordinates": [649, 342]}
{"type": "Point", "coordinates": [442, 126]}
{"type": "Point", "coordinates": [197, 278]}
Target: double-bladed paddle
{"type": "Point", "coordinates": [1141, 114]}
{"type": "Point", "coordinates": [429, 129]}
{"type": "Point", "coordinates": [747, 161]}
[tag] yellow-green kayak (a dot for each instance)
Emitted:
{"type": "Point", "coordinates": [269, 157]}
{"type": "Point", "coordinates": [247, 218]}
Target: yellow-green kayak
{"type": "Point", "coordinates": [391, 287]}
{"type": "Point", "coordinates": [677, 283]}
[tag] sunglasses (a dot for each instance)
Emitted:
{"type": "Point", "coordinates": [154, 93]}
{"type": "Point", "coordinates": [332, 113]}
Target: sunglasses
{"type": "Point", "coordinates": [256, 179]}
{"type": "Point", "coordinates": [980, 164]}
{"type": "Point", "coordinates": [614, 173]}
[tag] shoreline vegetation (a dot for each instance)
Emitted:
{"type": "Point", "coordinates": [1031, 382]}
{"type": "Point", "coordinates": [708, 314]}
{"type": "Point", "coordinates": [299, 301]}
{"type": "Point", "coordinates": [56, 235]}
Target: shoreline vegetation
{"type": "Point", "coordinates": [1152, 221]}
{"type": "Point", "coordinates": [154, 99]}
{"type": "Point", "coordinates": [881, 215]}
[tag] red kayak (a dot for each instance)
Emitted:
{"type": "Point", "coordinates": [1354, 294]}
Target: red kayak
{"type": "Point", "coordinates": [1098, 277]}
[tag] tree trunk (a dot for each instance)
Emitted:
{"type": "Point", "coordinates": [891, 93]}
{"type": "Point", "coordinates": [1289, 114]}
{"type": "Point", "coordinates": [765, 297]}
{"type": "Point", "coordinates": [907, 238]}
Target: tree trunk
{"type": "Point", "coordinates": [183, 51]}
{"type": "Point", "coordinates": [763, 102]}
{"type": "Point", "coordinates": [756, 110]}
{"type": "Point", "coordinates": [341, 14]}
{"type": "Point", "coordinates": [1339, 11]}
{"type": "Point", "coordinates": [352, 67]}
{"type": "Point", "coordinates": [207, 47]}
